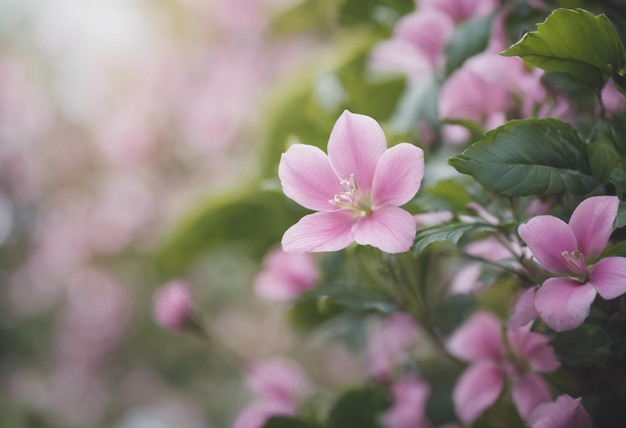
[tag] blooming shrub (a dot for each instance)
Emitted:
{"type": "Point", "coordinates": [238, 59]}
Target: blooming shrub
{"type": "Point", "coordinates": [428, 231]}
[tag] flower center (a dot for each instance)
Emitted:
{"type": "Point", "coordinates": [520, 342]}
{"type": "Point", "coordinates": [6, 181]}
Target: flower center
{"type": "Point", "coordinates": [351, 199]}
{"type": "Point", "coordinates": [576, 263]}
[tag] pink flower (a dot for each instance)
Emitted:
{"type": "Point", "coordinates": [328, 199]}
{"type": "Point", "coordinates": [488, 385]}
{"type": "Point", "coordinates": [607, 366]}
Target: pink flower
{"type": "Point", "coordinates": [256, 414]}
{"type": "Point", "coordinates": [277, 381]}
{"type": "Point", "coordinates": [285, 276]}
{"type": "Point", "coordinates": [524, 311]}
{"type": "Point", "coordinates": [277, 384]}
{"type": "Point", "coordinates": [480, 342]}
{"type": "Point", "coordinates": [409, 401]}
{"type": "Point", "coordinates": [565, 412]}
{"type": "Point", "coordinates": [572, 250]}
{"type": "Point", "coordinates": [390, 342]}
{"type": "Point", "coordinates": [417, 46]}
{"type": "Point", "coordinates": [357, 189]}
{"type": "Point", "coordinates": [460, 9]}
{"type": "Point", "coordinates": [172, 305]}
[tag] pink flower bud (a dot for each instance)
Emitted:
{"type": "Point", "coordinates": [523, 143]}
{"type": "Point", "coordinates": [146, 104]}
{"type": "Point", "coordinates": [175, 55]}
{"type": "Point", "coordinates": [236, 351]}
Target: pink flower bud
{"type": "Point", "coordinates": [172, 305]}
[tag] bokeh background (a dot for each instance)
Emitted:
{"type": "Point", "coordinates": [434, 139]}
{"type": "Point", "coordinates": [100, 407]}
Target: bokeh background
{"type": "Point", "coordinates": [116, 118]}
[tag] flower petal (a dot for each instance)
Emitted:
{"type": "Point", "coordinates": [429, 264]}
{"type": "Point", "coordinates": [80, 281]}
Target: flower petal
{"type": "Point", "coordinates": [355, 144]}
{"type": "Point", "coordinates": [390, 229]}
{"type": "Point", "coordinates": [398, 175]}
{"type": "Point", "coordinates": [479, 338]}
{"type": "Point", "coordinates": [307, 177]}
{"type": "Point", "coordinates": [592, 223]}
{"type": "Point", "coordinates": [608, 276]}
{"type": "Point", "coordinates": [535, 348]}
{"type": "Point", "coordinates": [524, 310]}
{"type": "Point", "coordinates": [565, 412]}
{"type": "Point", "coordinates": [564, 303]}
{"type": "Point", "coordinates": [547, 238]}
{"type": "Point", "coordinates": [319, 232]}
{"type": "Point", "coordinates": [477, 389]}
{"type": "Point", "coordinates": [528, 392]}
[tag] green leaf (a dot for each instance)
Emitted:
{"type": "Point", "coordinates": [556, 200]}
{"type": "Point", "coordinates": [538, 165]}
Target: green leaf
{"type": "Point", "coordinates": [251, 217]}
{"type": "Point", "coordinates": [603, 159]}
{"type": "Point", "coordinates": [529, 157]}
{"type": "Point", "coordinates": [620, 219]}
{"type": "Point", "coordinates": [469, 38]}
{"type": "Point", "coordinates": [445, 195]}
{"type": "Point", "coordinates": [450, 313]}
{"type": "Point", "coordinates": [361, 407]}
{"type": "Point", "coordinates": [357, 12]}
{"type": "Point", "coordinates": [446, 232]}
{"type": "Point", "coordinates": [618, 178]}
{"type": "Point", "coordinates": [587, 345]}
{"type": "Point", "coordinates": [573, 41]}
{"type": "Point", "coordinates": [305, 16]}
{"type": "Point", "coordinates": [288, 422]}
{"type": "Point", "coordinates": [356, 297]}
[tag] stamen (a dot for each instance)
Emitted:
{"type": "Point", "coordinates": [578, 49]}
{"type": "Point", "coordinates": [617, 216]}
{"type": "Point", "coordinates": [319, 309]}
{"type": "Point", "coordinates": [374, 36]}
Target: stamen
{"type": "Point", "coordinates": [576, 262]}
{"type": "Point", "coordinates": [351, 198]}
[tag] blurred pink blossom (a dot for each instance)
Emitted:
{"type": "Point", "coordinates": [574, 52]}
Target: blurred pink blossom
{"type": "Point", "coordinates": [409, 402]}
{"type": "Point", "coordinates": [460, 10]}
{"type": "Point", "coordinates": [390, 343]}
{"type": "Point", "coordinates": [613, 100]}
{"type": "Point", "coordinates": [357, 189]}
{"type": "Point", "coordinates": [573, 249]}
{"type": "Point", "coordinates": [564, 412]}
{"type": "Point", "coordinates": [417, 46]}
{"type": "Point", "coordinates": [277, 380]}
{"type": "Point", "coordinates": [172, 305]}
{"type": "Point", "coordinates": [479, 340]}
{"type": "Point", "coordinates": [524, 310]}
{"type": "Point", "coordinates": [482, 90]}
{"type": "Point", "coordinates": [256, 414]}
{"type": "Point", "coordinates": [285, 276]}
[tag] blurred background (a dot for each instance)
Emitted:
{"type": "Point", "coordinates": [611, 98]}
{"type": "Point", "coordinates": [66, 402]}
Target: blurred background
{"type": "Point", "coordinates": [117, 118]}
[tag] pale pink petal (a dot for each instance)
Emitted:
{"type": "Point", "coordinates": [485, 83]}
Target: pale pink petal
{"type": "Point", "coordinates": [524, 310]}
{"type": "Point", "coordinates": [356, 142]}
{"type": "Point", "coordinates": [529, 391]}
{"type": "Point", "coordinates": [548, 237]}
{"type": "Point", "coordinates": [172, 305]}
{"type": "Point", "coordinates": [307, 177]}
{"type": "Point", "coordinates": [277, 380]}
{"type": "Point", "coordinates": [389, 343]}
{"type": "Point", "coordinates": [399, 56]}
{"type": "Point", "coordinates": [319, 232]}
{"type": "Point", "coordinates": [592, 223]}
{"type": "Point", "coordinates": [479, 338]}
{"type": "Point", "coordinates": [256, 414]}
{"type": "Point", "coordinates": [409, 400]}
{"type": "Point", "coordinates": [477, 389]}
{"type": "Point", "coordinates": [535, 348]}
{"type": "Point", "coordinates": [390, 229]}
{"type": "Point", "coordinates": [608, 276]}
{"type": "Point", "coordinates": [565, 412]}
{"type": "Point", "coordinates": [564, 303]}
{"type": "Point", "coordinates": [398, 175]}
{"type": "Point", "coordinates": [428, 31]}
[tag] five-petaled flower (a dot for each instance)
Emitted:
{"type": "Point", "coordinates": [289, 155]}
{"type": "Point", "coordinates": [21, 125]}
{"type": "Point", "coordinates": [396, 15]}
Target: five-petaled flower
{"type": "Point", "coordinates": [493, 360]}
{"type": "Point", "coordinates": [357, 189]}
{"type": "Point", "coordinates": [572, 250]}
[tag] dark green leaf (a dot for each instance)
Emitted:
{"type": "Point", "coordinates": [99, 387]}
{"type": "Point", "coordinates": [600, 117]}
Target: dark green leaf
{"type": "Point", "coordinates": [288, 422]}
{"type": "Point", "coordinates": [310, 312]}
{"type": "Point", "coordinates": [603, 159]}
{"type": "Point", "coordinates": [446, 232]}
{"type": "Point", "coordinates": [355, 12]}
{"type": "Point", "coordinates": [618, 178]}
{"type": "Point", "coordinates": [354, 297]}
{"type": "Point", "coordinates": [469, 38]}
{"type": "Point", "coordinates": [587, 345]}
{"type": "Point", "coordinates": [573, 41]}
{"type": "Point", "coordinates": [620, 220]}
{"type": "Point", "coordinates": [360, 408]}
{"type": "Point", "coordinates": [450, 313]}
{"type": "Point", "coordinates": [529, 157]}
